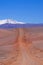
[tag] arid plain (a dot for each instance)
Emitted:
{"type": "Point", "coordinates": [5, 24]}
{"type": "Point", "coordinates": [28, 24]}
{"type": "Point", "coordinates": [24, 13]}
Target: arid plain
{"type": "Point", "coordinates": [21, 46]}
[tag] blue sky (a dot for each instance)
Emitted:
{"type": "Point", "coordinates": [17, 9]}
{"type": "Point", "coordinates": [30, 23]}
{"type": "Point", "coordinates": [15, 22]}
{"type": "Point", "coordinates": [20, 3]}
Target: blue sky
{"type": "Point", "coordinates": [30, 11]}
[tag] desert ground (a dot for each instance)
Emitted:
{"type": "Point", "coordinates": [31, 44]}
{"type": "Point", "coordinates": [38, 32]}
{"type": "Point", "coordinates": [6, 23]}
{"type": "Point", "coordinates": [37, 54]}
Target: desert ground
{"type": "Point", "coordinates": [21, 46]}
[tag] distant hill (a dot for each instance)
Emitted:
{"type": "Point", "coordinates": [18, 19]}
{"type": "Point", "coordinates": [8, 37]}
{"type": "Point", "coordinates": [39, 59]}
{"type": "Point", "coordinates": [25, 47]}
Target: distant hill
{"type": "Point", "coordinates": [20, 25]}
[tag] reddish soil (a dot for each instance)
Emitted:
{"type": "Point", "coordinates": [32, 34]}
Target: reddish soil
{"type": "Point", "coordinates": [22, 46]}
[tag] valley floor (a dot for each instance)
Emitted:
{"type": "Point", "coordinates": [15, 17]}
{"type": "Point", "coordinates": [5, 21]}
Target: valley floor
{"type": "Point", "coordinates": [21, 46]}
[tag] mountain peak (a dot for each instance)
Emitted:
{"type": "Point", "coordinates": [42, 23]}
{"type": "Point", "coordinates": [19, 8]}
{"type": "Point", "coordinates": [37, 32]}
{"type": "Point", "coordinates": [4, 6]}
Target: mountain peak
{"type": "Point", "coordinates": [10, 21]}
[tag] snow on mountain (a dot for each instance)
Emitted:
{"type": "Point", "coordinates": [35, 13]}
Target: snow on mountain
{"type": "Point", "coordinates": [9, 21]}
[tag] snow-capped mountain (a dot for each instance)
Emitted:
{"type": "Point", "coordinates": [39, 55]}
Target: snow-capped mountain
{"type": "Point", "coordinates": [9, 21]}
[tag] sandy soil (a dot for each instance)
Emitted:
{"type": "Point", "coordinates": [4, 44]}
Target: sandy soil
{"type": "Point", "coordinates": [21, 46]}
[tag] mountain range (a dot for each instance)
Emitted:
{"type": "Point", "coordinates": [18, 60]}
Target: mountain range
{"type": "Point", "coordinates": [8, 23]}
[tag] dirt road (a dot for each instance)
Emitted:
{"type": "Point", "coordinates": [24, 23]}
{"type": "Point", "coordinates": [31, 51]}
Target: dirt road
{"type": "Point", "coordinates": [26, 58]}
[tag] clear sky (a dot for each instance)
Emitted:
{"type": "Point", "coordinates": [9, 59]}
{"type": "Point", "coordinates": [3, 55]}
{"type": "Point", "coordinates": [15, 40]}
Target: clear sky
{"type": "Point", "coordinates": [22, 10]}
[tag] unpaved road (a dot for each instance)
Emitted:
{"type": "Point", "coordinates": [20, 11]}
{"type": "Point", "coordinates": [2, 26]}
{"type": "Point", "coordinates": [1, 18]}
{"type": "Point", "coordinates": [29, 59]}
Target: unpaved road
{"type": "Point", "coordinates": [26, 58]}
